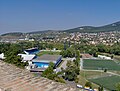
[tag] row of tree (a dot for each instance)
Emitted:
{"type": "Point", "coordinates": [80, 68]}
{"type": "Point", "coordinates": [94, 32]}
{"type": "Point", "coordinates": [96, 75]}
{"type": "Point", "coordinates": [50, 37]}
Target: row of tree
{"type": "Point", "coordinates": [82, 47]}
{"type": "Point", "coordinates": [73, 68]}
{"type": "Point", "coordinates": [94, 49]}
{"type": "Point", "coordinates": [11, 54]}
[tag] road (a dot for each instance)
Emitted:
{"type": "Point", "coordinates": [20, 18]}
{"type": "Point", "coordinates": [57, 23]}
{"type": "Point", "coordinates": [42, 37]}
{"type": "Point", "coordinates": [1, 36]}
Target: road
{"type": "Point", "coordinates": [63, 65]}
{"type": "Point", "coordinates": [81, 63]}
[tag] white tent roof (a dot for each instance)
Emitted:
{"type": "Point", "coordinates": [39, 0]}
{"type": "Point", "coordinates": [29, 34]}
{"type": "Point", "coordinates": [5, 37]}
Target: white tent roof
{"type": "Point", "coordinates": [2, 56]}
{"type": "Point", "coordinates": [26, 57]}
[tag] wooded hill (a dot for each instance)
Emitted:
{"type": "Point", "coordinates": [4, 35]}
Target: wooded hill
{"type": "Point", "coordinates": [83, 29]}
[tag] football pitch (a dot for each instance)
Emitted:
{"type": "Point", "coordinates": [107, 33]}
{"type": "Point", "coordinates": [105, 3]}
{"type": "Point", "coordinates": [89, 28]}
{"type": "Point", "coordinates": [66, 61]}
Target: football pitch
{"type": "Point", "coordinates": [108, 82]}
{"type": "Point", "coordinates": [99, 64]}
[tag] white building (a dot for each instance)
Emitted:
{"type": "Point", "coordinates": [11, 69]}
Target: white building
{"type": "Point", "coordinates": [2, 56]}
{"type": "Point", "coordinates": [104, 57]}
{"type": "Point", "coordinates": [26, 57]}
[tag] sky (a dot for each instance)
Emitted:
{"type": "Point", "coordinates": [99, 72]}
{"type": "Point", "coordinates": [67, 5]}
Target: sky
{"type": "Point", "coordinates": [39, 15]}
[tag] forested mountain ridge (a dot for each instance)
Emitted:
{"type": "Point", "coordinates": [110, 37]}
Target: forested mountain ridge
{"type": "Point", "coordinates": [13, 34]}
{"type": "Point", "coordinates": [91, 29]}
{"type": "Point", "coordinates": [83, 29]}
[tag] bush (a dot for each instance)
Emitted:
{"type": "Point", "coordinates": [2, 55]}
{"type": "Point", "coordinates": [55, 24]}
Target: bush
{"type": "Point", "coordinates": [118, 86]}
{"type": "Point", "coordinates": [105, 70]}
{"type": "Point", "coordinates": [59, 79]}
{"type": "Point", "coordinates": [76, 80]}
{"type": "Point", "coordinates": [88, 84]}
{"type": "Point", "coordinates": [100, 88]}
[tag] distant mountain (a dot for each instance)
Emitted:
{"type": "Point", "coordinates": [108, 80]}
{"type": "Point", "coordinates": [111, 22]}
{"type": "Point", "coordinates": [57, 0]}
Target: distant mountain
{"type": "Point", "coordinates": [13, 34]}
{"type": "Point", "coordinates": [83, 29]}
{"type": "Point", "coordinates": [106, 28]}
{"type": "Point", "coordinates": [39, 32]}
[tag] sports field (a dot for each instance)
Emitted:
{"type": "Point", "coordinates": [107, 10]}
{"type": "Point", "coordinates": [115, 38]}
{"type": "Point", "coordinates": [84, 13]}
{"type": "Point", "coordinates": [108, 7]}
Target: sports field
{"type": "Point", "coordinates": [108, 82]}
{"type": "Point", "coordinates": [96, 64]}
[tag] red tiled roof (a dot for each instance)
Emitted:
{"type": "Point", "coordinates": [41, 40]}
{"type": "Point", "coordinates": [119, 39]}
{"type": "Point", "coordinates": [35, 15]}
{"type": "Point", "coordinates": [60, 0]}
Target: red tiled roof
{"type": "Point", "coordinates": [15, 79]}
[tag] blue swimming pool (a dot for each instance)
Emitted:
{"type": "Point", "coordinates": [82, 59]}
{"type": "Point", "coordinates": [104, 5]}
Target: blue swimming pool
{"type": "Point", "coordinates": [41, 64]}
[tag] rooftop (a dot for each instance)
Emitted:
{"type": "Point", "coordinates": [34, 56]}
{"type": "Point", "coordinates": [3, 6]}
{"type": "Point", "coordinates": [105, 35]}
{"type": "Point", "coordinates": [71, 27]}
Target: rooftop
{"type": "Point", "coordinates": [15, 79]}
{"type": "Point", "coordinates": [50, 58]}
{"type": "Point", "coordinates": [86, 55]}
{"type": "Point", "coordinates": [32, 51]}
{"type": "Point", "coordinates": [27, 57]}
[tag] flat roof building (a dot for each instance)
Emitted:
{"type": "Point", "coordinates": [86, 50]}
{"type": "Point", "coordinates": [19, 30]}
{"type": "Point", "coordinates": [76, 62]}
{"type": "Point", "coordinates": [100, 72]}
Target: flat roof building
{"type": "Point", "coordinates": [44, 60]}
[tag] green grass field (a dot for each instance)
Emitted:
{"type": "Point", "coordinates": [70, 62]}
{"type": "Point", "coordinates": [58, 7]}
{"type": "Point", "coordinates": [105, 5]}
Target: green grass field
{"type": "Point", "coordinates": [108, 82]}
{"type": "Point", "coordinates": [48, 52]}
{"type": "Point", "coordinates": [95, 64]}
{"type": "Point", "coordinates": [93, 74]}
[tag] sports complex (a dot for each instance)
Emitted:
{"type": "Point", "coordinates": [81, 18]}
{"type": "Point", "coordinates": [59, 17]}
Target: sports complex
{"type": "Point", "coordinates": [112, 68]}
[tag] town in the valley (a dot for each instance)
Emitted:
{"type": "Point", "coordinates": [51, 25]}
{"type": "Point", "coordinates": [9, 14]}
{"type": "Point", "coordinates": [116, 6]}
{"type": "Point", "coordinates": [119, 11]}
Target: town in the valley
{"type": "Point", "coordinates": [81, 61]}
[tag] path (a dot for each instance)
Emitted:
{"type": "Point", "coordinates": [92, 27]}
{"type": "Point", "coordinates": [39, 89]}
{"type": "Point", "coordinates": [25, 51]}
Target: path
{"type": "Point", "coordinates": [63, 65]}
{"type": "Point", "coordinates": [102, 71]}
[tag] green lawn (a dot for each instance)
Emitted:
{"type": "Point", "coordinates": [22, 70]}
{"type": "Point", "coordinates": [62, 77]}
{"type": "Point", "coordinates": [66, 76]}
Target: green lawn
{"type": "Point", "coordinates": [93, 64]}
{"type": "Point", "coordinates": [92, 74]}
{"type": "Point", "coordinates": [48, 52]}
{"type": "Point", "coordinates": [108, 82]}
{"type": "Point", "coordinates": [82, 82]}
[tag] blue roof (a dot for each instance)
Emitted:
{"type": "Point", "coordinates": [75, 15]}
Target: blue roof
{"type": "Point", "coordinates": [32, 51]}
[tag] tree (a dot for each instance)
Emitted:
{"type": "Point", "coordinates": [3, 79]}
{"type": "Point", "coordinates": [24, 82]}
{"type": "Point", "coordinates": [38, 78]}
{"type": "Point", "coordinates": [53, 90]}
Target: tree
{"type": "Point", "coordinates": [11, 53]}
{"type": "Point", "coordinates": [73, 67]}
{"type": "Point", "coordinates": [102, 48]}
{"type": "Point", "coordinates": [63, 53]}
{"type": "Point", "coordinates": [50, 74]}
{"type": "Point", "coordinates": [70, 52]}
{"type": "Point", "coordinates": [88, 84]}
{"type": "Point", "coordinates": [77, 62]}
{"type": "Point", "coordinates": [77, 54]}
{"type": "Point", "coordinates": [70, 74]}
{"type": "Point", "coordinates": [71, 71]}
{"type": "Point", "coordinates": [93, 51]}
{"type": "Point", "coordinates": [118, 87]}
{"type": "Point", "coordinates": [116, 49]}
{"type": "Point", "coordinates": [100, 88]}
{"type": "Point", "coordinates": [105, 70]}
{"type": "Point", "coordinates": [112, 56]}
